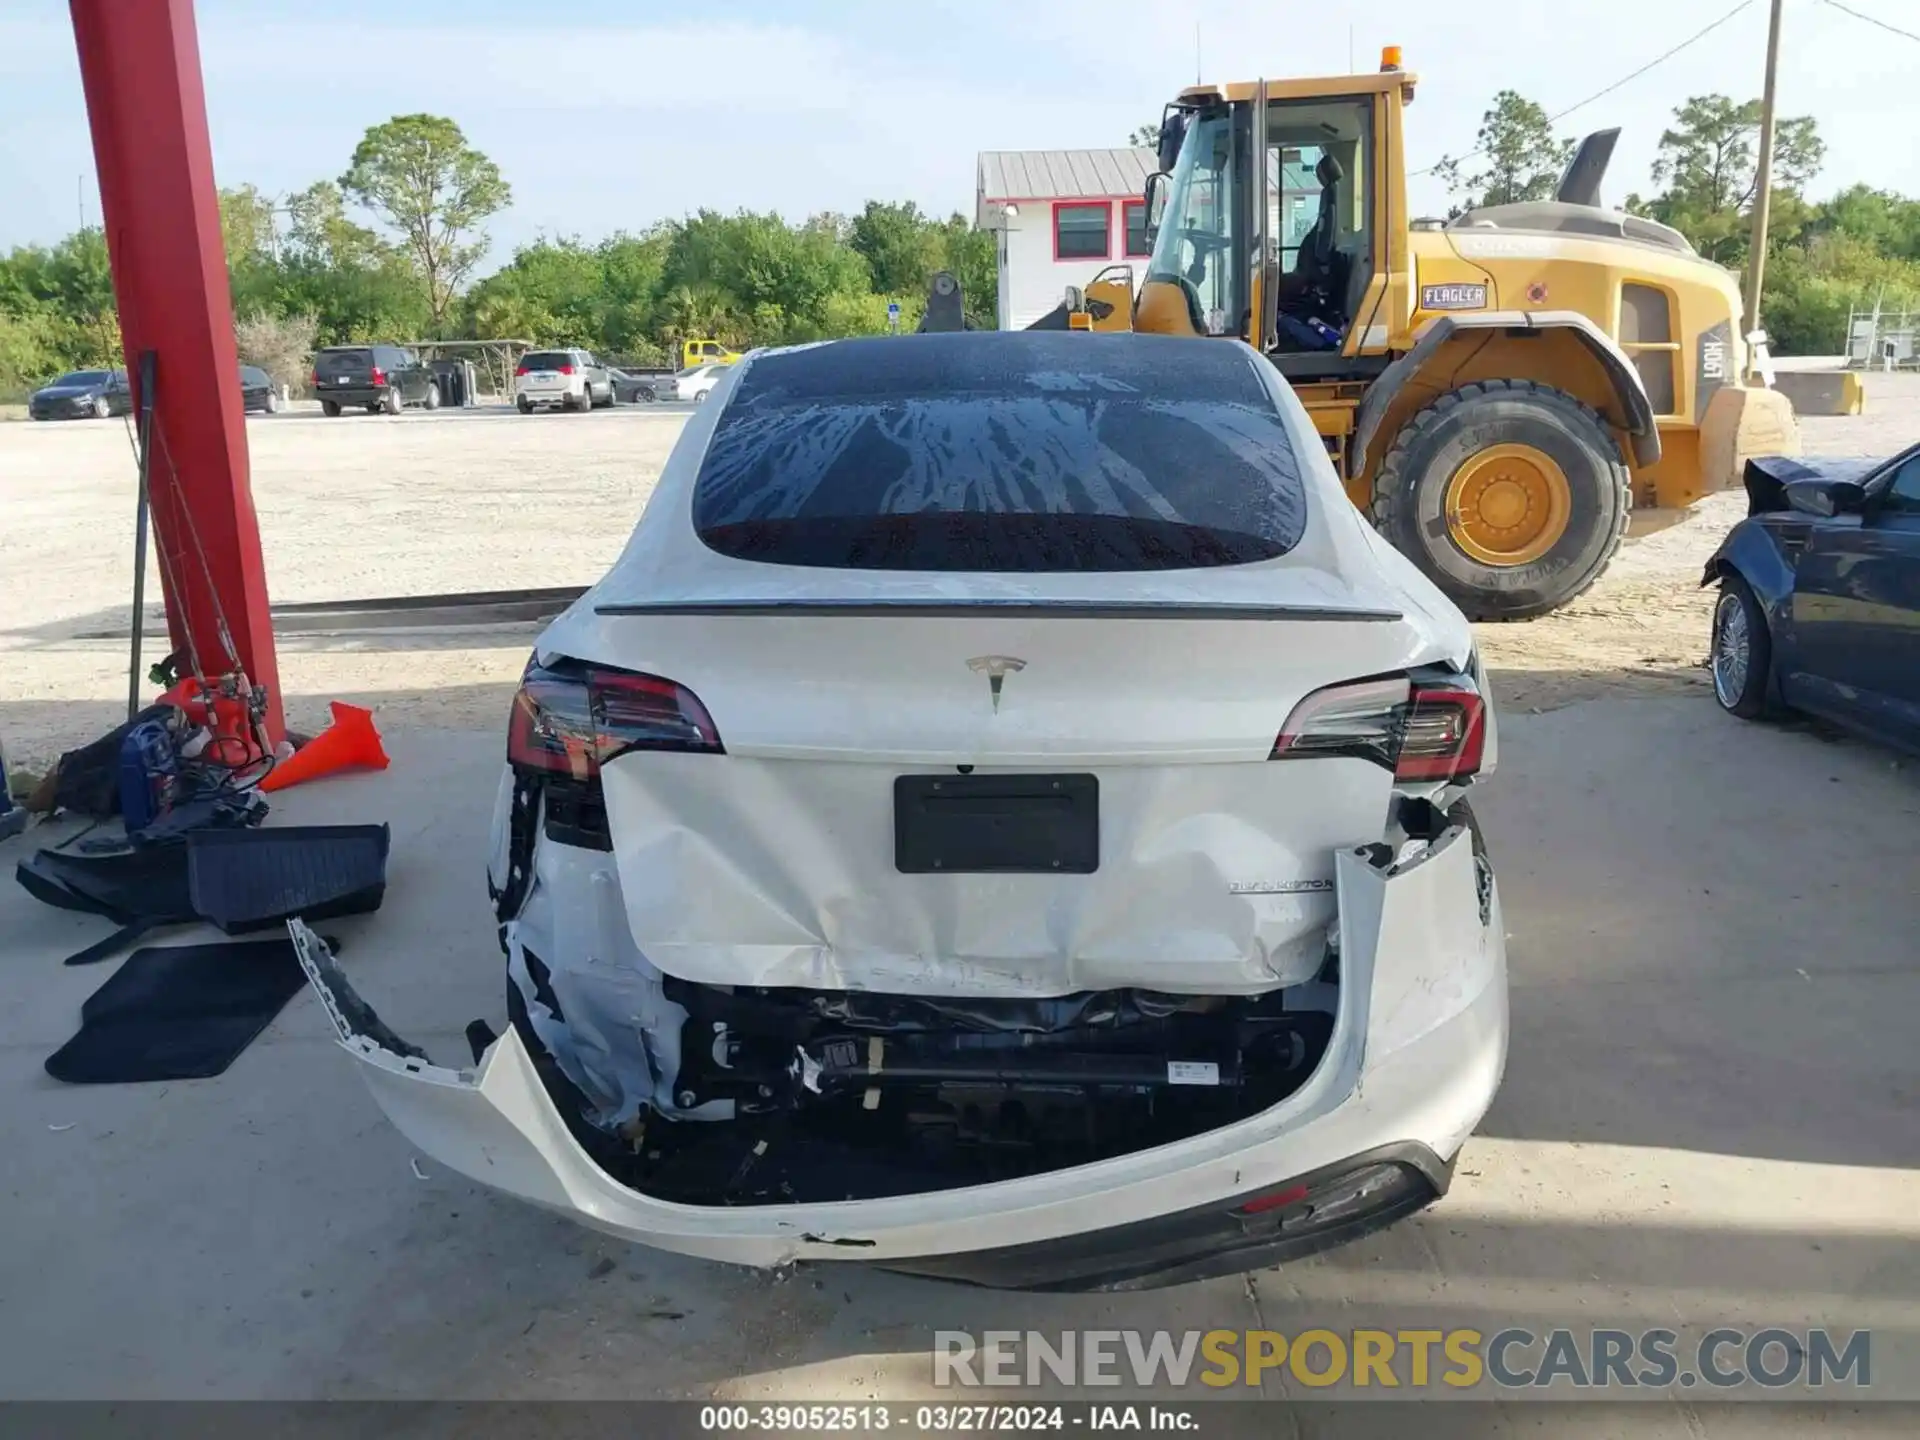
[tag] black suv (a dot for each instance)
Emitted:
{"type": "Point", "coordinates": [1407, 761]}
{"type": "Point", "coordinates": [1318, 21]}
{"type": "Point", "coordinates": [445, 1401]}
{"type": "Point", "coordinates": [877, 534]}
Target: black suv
{"type": "Point", "coordinates": [380, 377]}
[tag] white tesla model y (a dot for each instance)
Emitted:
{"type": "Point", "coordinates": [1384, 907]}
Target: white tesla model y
{"type": "Point", "coordinates": [1003, 818]}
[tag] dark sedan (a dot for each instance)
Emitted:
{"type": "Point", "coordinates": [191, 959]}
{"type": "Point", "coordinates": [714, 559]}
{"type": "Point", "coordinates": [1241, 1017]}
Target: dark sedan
{"type": "Point", "coordinates": [631, 389]}
{"type": "Point", "coordinates": [81, 395]}
{"type": "Point", "coordinates": [257, 391]}
{"type": "Point", "coordinates": [1819, 605]}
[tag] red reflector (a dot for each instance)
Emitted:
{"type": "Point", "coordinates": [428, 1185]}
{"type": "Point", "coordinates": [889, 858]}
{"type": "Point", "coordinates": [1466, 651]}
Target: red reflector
{"type": "Point", "coordinates": [1278, 1200]}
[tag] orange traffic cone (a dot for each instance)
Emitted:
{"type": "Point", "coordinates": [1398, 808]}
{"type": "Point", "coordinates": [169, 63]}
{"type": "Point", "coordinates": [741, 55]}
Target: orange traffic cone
{"type": "Point", "coordinates": [350, 740]}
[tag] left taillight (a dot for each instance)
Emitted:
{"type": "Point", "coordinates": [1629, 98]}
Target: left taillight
{"type": "Point", "coordinates": [1422, 730]}
{"type": "Point", "coordinates": [571, 719]}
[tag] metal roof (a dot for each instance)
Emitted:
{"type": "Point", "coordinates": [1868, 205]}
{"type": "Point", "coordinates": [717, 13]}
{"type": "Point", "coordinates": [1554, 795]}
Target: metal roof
{"type": "Point", "coordinates": [1063, 174]}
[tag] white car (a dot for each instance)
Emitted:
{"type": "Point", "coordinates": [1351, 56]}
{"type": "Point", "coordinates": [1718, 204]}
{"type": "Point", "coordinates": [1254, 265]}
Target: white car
{"type": "Point", "coordinates": [562, 379]}
{"type": "Point", "coordinates": [694, 384]}
{"type": "Point", "coordinates": [1001, 818]}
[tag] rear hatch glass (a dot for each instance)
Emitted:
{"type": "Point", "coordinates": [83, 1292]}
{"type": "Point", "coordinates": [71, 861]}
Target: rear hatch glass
{"type": "Point", "coordinates": [1002, 453]}
{"type": "Point", "coordinates": [546, 360]}
{"type": "Point", "coordinates": [344, 362]}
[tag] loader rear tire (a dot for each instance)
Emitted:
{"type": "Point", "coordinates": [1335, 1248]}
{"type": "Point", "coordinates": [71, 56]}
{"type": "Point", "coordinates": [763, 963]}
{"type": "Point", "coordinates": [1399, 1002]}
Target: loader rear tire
{"type": "Point", "coordinates": [1511, 496]}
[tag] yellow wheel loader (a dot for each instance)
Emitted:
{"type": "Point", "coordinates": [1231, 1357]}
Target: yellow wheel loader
{"type": "Point", "coordinates": [1501, 392]}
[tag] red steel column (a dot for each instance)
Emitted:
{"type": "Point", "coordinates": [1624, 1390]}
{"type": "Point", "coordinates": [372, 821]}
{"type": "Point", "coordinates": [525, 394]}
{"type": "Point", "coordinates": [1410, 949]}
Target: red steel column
{"type": "Point", "coordinates": [140, 64]}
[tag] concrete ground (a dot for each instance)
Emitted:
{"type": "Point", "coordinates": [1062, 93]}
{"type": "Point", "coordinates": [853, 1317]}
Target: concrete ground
{"type": "Point", "coordinates": [1711, 1113]}
{"type": "Point", "coordinates": [1709, 1117]}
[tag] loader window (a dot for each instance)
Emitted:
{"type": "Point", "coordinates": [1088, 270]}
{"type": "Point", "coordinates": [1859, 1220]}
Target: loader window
{"type": "Point", "coordinates": [1320, 211]}
{"type": "Point", "coordinates": [1201, 242]}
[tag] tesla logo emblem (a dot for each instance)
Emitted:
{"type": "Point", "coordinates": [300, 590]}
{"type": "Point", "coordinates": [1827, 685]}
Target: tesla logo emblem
{"type": "Point", "coordinates": [996, 668]}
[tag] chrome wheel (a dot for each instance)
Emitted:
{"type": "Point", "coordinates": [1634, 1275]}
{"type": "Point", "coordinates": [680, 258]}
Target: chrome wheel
{"type": "Point", "coordinates": [1732, 649]}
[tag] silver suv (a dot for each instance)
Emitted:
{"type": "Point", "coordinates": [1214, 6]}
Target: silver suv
{"type": "Point", "coordinates": [565, 379]}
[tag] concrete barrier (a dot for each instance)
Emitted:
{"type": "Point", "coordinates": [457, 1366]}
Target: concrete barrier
{"type": "Point", "coordinates": [1822, 392]}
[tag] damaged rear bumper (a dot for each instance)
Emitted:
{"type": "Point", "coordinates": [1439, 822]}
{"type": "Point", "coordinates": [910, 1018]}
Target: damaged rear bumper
{"type": "Point", "coordinates": [1418, 1050]}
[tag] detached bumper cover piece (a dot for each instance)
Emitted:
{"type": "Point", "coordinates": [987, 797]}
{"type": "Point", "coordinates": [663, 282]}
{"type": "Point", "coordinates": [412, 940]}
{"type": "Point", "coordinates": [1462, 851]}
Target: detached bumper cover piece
{"type": "Point", "coordinates": [1418, 1052]}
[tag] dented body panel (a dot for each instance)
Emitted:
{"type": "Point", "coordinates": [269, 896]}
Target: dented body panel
{"type": "Point", "coordinates": [1420, 1046]}
{"type": "Point", "coordinates": [1213, 880]}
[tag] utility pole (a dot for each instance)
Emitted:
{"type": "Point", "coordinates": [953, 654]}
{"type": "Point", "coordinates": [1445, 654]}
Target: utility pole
{"type": "Point", "coordinates": [1763, 177]}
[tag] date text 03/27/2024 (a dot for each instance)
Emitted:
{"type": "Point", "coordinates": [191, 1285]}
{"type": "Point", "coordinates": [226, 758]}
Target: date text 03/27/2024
{"type": "Point", "coordinates": [943, 1418]}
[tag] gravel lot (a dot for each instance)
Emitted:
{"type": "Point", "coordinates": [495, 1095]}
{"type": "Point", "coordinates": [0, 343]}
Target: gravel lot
{"type": "Point", "coordinates": [368, 506]}
{"type": "Point", "coordinates": [355, 507]}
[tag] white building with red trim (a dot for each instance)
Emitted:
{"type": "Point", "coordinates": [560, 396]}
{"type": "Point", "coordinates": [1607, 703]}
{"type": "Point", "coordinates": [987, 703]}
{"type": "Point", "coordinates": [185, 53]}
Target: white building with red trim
{"type": "Point", "coordinates": [1061, 217]}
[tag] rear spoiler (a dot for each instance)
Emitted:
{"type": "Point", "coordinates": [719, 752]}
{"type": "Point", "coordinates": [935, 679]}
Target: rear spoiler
{"type": "Point", "coordinates": [1037, 609]}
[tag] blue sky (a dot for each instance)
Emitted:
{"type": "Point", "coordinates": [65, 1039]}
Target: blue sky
{"type": "Point", "coordinates": [642, 112]}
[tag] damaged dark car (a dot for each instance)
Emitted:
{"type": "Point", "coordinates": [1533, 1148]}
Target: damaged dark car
{"type": "Point", "coordinates": [1819, 605]}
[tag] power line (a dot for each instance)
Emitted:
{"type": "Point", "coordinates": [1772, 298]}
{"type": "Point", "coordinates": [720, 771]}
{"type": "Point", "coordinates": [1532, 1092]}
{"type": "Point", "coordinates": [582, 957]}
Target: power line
{"type": "Point", "coordinates": [1661, 59]}
{"type": "Point", "coordinates": [1871, 20]}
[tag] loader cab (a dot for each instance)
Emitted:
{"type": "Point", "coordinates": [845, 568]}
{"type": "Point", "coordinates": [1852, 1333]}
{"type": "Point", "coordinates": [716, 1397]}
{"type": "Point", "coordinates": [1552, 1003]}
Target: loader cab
{"type": "Point", "coordinates": [1290, 253]}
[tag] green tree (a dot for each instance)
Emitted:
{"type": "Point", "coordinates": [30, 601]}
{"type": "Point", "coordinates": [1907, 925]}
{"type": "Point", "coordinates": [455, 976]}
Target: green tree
{"type": "Point", "coordinates": [632, 267]}
{"type": "Point", "coordinates": [1813, 285]}
{"type": "Point", "coordinates": [1707, 162]}
{"type": "Point", "coordinates": [550, 293]}
{"type": "Point", "coordinates": [319, 230]}
{"type": "Point", "coordinates": [247, 225]}
{"type": "Point", "coordinates": [420, 176]}
{"type": "Point", "coordinates": [31, 350]}
{"type": "Point", "coordinates": [1146, 137]}
{"type": "Point", "coordinates": [1520, 156]}
{"type": "Point", "coordinates": [689, 311]}
{"type": "Point", "coordinates": [60, 300]}
{"type": "Point", "coordinates": [1888, 222]}
{"type": "Point", "coordinates": [356, 285]}
{"type": "Point", "coordinates": [901, 246]}
{"type": "Point", "coordinates": [757, 276]}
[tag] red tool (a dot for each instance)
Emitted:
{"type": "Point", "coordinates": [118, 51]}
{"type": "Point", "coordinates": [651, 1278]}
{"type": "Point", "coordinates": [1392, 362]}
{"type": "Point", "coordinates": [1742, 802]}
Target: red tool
{"type": "Point", "coordinates": [231, 711]}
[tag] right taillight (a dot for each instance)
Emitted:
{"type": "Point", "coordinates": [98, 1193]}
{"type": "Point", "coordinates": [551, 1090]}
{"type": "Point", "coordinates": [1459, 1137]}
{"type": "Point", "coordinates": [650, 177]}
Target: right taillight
{"type": "Point", "coordinates": [1421, 730]}
{"type": "Point", "coordinates": [571, 719]}
{"type": "Point", "coordinates": [1444, 734]}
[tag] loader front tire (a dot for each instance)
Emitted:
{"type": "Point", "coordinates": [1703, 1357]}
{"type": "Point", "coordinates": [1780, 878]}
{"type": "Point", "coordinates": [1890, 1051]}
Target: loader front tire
{"type": "Point", "coordinates": [1511, 496]}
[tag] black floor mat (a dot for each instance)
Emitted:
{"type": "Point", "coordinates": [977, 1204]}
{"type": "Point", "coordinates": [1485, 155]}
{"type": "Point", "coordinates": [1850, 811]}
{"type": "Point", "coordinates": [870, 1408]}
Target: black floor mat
{"type": "Point", "coordinates": [251, 879]}
{"type": "Point", "coordinates": [179, 1012]}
